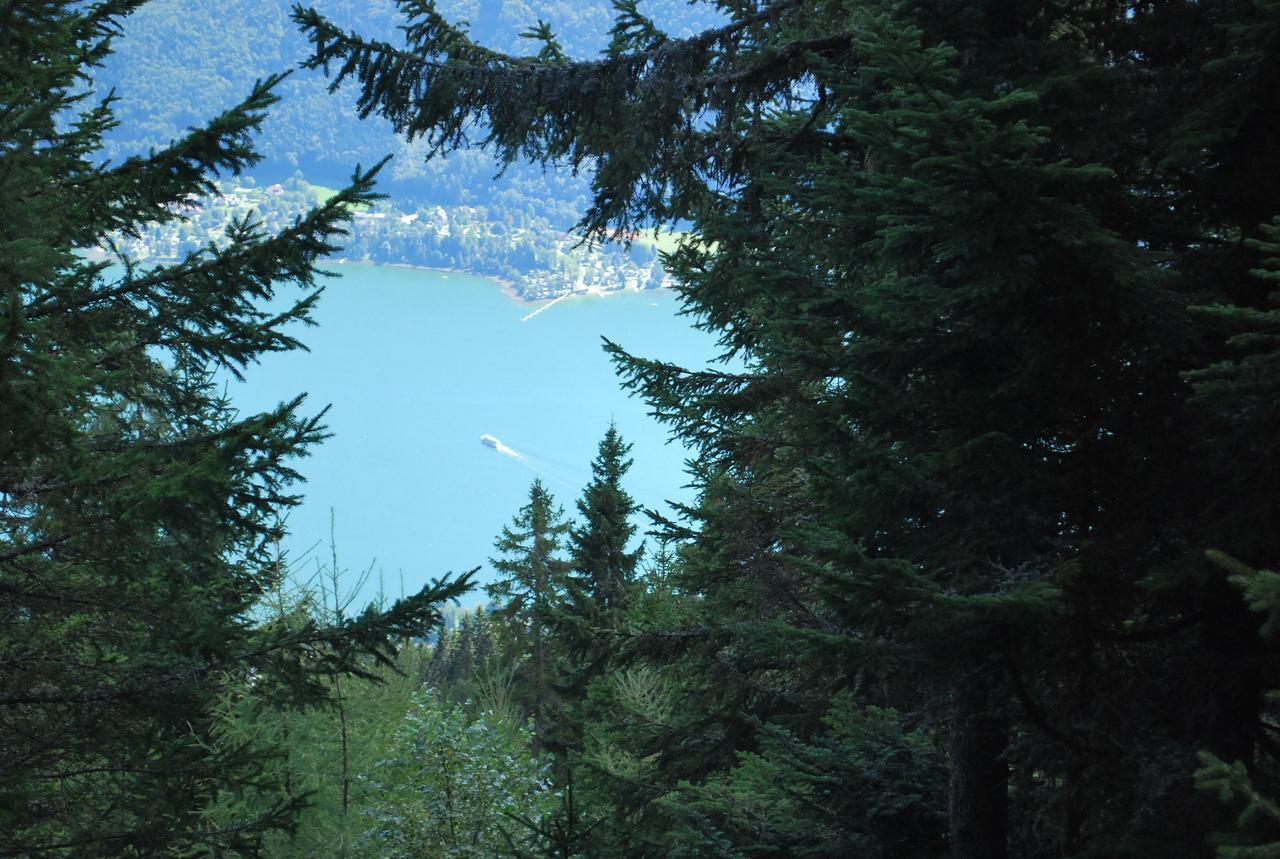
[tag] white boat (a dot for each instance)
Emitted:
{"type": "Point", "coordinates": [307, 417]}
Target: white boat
{"type": "Point", "coordinates": [489, 441]}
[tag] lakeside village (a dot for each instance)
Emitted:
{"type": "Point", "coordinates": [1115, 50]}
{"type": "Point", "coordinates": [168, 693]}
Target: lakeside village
{"type": "Point", "coordinates": [537, 261]}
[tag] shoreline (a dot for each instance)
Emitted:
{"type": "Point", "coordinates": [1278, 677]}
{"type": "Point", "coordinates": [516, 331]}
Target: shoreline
{"type": "Point", "coordinates": [505, 286]}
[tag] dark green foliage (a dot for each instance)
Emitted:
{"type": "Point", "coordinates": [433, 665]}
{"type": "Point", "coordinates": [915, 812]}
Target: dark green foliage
{"type": "Point", "coordinates": [963, 475]}
{"type": "Point", "coordinates": [600, 579]}
{"type": "Point", "coordinates": [529, 567]}
{"type": "Point", "coordinates": [1249, 786]}
{"type": "Point", "coordinates": [136, 506]}
{"type": "Point", "coordinates": [1259, 819]}
{"type": "Point", "coordinates": [602, 568]}
{"type": "Point", "coordinates": [183, 60]}
{"type": "Point", "coordinates": [638, 123]}
{"type": "Point", "coordinates": [528, 589]}
{"type": "Point", "coordinates": [1241, 390]}
{"type": "Point", "coordinates": [869, 786]}
{"type": "Point", "coordinates": [466, 662]}
{"type": "Point", "coordinates": [312, 751]}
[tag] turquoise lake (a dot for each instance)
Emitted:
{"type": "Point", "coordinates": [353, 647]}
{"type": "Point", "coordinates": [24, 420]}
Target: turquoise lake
{"type": "Point", "coordinates": [416, 366]}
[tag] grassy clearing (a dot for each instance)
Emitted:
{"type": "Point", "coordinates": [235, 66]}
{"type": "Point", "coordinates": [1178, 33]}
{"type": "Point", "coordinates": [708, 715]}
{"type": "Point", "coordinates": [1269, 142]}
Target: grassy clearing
{"type": "Point", "coordinates": [664, 242]}
{"type": "Point", "coordinates": [320, 193]}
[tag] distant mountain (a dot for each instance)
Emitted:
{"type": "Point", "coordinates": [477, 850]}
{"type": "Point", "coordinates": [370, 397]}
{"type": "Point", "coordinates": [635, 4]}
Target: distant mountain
{"type": "Point", "coordinates": [182, 61]}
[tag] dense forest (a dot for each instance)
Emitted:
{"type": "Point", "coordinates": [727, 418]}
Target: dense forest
{"type": "Point", "coordinates": [981, 559]}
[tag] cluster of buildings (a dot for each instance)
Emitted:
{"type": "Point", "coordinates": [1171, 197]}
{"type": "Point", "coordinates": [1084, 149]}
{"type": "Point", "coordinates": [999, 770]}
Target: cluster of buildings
{"type": "Point", "coordinates": [537, 260]}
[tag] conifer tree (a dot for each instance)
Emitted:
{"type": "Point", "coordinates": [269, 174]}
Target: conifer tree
{"type": "Point", "coordinates": [529, 587]}
{"type": "Point", "coordinates": [598, 585]}
{"type": "Point", "coordinates": [137, 506]}
{"type": "Point", "coordinates": [963, 474]}
{"type": "Point", "coordinates": [602, 568]}
{"type": "Point", "coordinates": [1248, 784]}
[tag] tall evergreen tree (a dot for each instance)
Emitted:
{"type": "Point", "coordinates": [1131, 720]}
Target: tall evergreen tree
{"type": "Point", "coordinates": [529, 587]}
{"type": "Point", "coordinates": [136, 506]}
{"type": "Point", "coordinates": [963, 475]}
{"type": "Point", "coordinates": [601, 576]}
{"type": "Point", "coordinates": [602, 568]}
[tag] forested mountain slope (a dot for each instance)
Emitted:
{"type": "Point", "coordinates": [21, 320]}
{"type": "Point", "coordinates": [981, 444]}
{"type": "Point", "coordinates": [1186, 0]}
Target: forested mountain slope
{"type": "Point", "coordinates": [185, 60]}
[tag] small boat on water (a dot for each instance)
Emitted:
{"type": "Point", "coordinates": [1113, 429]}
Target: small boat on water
{"type": "Point", "coordinates": [489, 441]}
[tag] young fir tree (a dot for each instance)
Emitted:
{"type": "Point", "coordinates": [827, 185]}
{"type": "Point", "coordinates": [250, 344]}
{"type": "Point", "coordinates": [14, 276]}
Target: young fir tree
{"type": "Point", "coordinates": [601, 575]}
{"type": "Point", "coordinates": [602, 569]}
{"type": "Point", "coordinates": [136, 506]}
{"type": "Point", "coordinates": [529, 587]}
{"type": "Point", "coordinates": [963, 474]}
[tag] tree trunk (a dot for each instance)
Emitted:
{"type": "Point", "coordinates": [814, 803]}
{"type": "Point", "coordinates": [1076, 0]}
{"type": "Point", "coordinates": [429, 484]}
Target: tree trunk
{"type": "Point", "coordinates": [539, 688]}
{"type": "Point", "coordinates": [979, 781]}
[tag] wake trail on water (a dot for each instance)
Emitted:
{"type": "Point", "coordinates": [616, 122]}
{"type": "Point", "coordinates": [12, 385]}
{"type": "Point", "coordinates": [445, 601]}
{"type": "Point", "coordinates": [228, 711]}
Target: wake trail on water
{"type": "Point", "coordinates": [508, 451]}
{"type": "Point", "coordinates": [538, 467]}
{"type": "Point", "coordinates": [575, 478]}
{"type": "Point", "coordinates": [557, 472]}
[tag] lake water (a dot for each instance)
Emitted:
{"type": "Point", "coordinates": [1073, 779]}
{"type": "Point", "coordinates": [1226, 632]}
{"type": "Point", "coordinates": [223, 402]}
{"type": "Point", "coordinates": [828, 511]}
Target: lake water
{"type": "Point", "coordinates": [416, 366]}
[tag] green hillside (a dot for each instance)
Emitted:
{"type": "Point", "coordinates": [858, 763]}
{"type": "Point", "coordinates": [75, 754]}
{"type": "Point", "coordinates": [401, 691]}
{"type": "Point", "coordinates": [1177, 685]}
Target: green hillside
{"type": "Point", "coordinates": [183, 61]}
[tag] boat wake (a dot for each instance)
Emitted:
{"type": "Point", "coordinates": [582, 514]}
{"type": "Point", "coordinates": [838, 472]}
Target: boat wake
{"type": "Point", "coordinates": [509, 451]}
{"type": "Point", "coordinates": [537, 466]}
